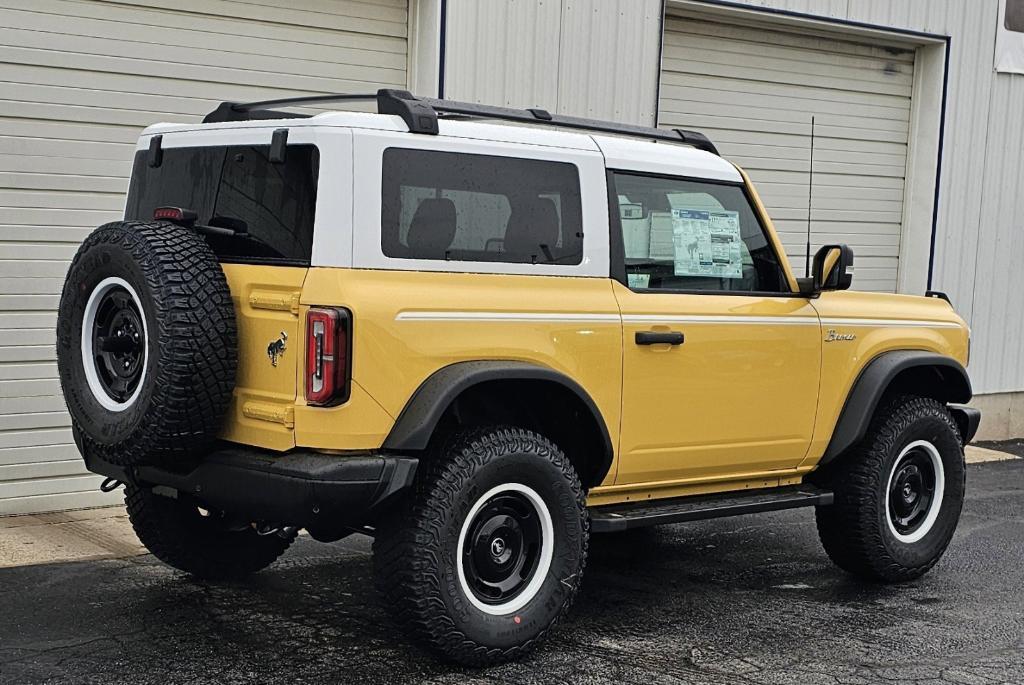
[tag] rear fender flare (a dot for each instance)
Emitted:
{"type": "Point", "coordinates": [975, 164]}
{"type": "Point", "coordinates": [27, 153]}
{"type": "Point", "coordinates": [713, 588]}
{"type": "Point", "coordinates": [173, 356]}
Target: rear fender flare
{"type": "Point", "coordinates": [415, 425]}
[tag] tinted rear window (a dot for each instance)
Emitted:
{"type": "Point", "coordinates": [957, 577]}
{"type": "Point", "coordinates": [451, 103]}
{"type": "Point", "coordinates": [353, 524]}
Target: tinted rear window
{"type": "Point", "coordinates": [270, 206]}
{"type": "Point", "coordinates": [481, 208]}
{"type": "Point", "coordinates": [1015, 15]}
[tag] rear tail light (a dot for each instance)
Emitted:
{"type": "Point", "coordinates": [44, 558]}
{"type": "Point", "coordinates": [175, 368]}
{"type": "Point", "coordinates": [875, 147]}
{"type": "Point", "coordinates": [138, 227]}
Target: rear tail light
{"type": "Point", "coordinates": [328, 356]}
{"type": "Point", "coordinates": [175, 215]}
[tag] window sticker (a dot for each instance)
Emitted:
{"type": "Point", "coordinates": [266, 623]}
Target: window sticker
{"type": "Point", "coordinates": [638, 281]}
{"type": "Point", "coordinates": [707, 243]}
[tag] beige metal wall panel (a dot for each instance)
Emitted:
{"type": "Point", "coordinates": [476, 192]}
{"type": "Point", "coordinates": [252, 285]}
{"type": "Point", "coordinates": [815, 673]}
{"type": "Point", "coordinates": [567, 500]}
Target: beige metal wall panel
{"type": "Point", "coordinates": [579, 57]}
{"type": "Point", "coordinates": [826, 8]}
{"type": "Point", "coordinates": [754, 90]}
{"type": "Point", "coordinates": [503, 52]}
{"type": "Point", "coordinates": [998, 301]}
{"type": "Point", "coordinates": [605, 66]}
{"type": "Point", "coordinates": [80, 80]}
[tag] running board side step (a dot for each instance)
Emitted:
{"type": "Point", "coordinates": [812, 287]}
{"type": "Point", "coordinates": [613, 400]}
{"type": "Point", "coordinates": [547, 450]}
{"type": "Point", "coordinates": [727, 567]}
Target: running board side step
{"type": "Point", "coordinates": [618, 517]}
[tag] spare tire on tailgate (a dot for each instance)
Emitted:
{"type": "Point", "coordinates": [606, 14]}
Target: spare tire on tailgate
{"type": "Point", "coordinates": [146, 343]}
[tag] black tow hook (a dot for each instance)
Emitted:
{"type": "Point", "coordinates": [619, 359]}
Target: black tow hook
{"type": "Point", "coordinates": [110, 484]}
{"type": "Point", "coordinates": [265, 529]}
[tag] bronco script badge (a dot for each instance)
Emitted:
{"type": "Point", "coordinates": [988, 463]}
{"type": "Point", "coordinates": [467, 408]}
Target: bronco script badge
{"type": "Point", "coordinates": [832, 336]}
{"type": "Point", "coordinates": [277, 348]}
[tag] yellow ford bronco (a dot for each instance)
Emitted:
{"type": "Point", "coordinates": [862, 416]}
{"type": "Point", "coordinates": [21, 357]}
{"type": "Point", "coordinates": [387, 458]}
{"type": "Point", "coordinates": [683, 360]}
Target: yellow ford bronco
{"type": "Point", "coordinates": [478, 335]}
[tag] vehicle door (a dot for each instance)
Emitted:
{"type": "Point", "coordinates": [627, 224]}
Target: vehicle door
{"type": "Point", "coordinates": [721, 358]}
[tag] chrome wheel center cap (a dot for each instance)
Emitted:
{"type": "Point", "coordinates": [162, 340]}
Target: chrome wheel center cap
{"type": "Point", "coordinates": [497, 547]}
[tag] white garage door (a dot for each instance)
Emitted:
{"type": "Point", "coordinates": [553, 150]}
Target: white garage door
{"type": "Point", "coordinates": [78, 80]}
{"type": "Point", "coordinates": [753, 91]}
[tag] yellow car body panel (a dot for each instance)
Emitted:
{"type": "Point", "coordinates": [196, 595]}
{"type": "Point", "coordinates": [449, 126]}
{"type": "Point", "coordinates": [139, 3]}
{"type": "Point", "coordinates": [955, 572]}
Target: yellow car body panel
{"type": "Point", "coordinates": [750, 400]}
{"type": "Point", "coordinates": [409, 324]}
{"type": "Point", "coordinates": [266, 299]}
{"type": "Point", "coordinates": [737, 397]}
{"type": "Point", "coordinates": [879, 323]}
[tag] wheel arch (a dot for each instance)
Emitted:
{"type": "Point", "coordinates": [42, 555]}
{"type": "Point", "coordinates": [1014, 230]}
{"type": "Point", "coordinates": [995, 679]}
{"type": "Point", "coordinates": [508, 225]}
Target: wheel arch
{"type": "Point", "coordinates": [916, 372]}
{"type": "Point", "coordinates": [526, 394]}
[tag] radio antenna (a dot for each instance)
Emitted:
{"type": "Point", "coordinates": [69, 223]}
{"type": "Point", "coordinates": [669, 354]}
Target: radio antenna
{"type": "Point", "coordinates": [810, 200]}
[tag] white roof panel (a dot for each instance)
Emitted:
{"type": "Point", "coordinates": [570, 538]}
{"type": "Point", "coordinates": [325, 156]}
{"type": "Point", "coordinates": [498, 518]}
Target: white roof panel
{"type": "Point", "coordinates": [456, 128]}
{"type": "Point", "coordinates": [620, 152]}
{"type": "Point", "coordinates": [656, 157]}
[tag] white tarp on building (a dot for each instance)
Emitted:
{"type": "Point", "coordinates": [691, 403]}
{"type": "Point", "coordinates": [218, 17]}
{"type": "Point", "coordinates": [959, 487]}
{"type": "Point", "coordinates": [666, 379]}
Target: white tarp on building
{"type": "Point", "coordinates": [1010, 37]}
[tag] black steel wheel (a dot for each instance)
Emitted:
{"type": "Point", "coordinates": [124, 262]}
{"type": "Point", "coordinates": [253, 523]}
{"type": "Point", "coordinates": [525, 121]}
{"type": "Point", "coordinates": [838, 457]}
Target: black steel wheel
{"type": "Point", "coordinates": [114, 339]}
{"type": "Point", "coordinates": [916, 486]}
{"type": "Point", "coordinates": [505, 543]}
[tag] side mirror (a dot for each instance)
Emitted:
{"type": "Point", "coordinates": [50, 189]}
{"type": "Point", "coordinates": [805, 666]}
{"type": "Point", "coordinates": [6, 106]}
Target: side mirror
{"type": "Point", "coordinates": [833, 268]}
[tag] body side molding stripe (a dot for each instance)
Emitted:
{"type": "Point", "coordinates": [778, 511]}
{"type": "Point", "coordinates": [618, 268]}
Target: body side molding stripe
{"type": "Point", "coordinates": [723, 319]}
{"type": "Point", "coordinates": [506, 316]}
{"type": "Point", "coordinates": [559, 317]}
{"type": "Point", "coordinates": [892, 323]}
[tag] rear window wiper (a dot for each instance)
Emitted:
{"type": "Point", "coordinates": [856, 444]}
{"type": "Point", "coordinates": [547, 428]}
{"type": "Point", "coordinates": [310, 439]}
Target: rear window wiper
{"type": "Point", "coordinates": [227, 225]}
{"type": "Point", "coordinates": [219, 225]}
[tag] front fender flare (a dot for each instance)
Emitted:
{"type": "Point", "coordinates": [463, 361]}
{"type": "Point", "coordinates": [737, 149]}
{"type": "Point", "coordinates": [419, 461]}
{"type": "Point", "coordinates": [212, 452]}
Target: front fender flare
{"type": "Point", "coordinates": [874, 380]}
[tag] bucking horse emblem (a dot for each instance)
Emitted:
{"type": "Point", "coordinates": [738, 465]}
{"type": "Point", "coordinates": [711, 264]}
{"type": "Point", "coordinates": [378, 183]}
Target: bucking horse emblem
{"type": "Point", "coordinates": [277, 348]}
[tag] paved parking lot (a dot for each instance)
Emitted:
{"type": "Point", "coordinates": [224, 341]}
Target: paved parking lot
{"type": "Point", "coordinates": [744, 600]}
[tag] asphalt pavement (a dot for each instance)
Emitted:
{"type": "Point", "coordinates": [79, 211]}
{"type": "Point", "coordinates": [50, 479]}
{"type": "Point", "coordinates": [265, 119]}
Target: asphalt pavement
{"type": "Point", "coordinates": [751, 599]}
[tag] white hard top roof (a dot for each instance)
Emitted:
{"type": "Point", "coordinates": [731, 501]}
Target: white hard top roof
{"type": "Point", "coordinates": [620, 152]}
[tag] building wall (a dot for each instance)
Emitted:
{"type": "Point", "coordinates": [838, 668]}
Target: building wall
{"type": "Point", "coordinates": [590, 58]}
{"type": "Point", "coordinates": [980, 238]}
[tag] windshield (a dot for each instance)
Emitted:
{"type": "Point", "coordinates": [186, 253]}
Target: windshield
{"type": "Point", "coordinates": [269, 206]}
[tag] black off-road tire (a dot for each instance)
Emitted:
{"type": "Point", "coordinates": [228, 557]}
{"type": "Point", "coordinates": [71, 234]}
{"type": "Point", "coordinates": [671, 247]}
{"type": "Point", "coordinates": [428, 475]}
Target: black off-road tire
{"type": "Point", "coordinates": [416, 552]}
{"type": "Point", "coordinates": [184, 371]}
{"type": "Point", "coordinates": [856, 531]}
{"type": "Point", "coordinates": [207, 546]}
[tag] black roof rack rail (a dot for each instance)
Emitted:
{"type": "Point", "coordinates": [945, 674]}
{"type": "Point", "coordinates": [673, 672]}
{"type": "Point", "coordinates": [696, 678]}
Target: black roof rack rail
{"type": "Point", "coordinates": [420, 114]}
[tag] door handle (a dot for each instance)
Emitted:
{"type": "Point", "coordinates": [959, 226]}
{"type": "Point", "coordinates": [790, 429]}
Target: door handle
{"type": "Point", "coordinates": [653, 338]}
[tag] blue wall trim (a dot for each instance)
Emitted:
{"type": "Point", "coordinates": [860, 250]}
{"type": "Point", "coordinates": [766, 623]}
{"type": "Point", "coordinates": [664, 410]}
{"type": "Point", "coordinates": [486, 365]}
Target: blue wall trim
{"type": "Point", "coordinates": [443, 44]}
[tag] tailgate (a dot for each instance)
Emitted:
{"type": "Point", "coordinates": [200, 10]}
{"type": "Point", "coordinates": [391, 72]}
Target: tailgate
{"type": "Point", "coordinates": [266, 299]}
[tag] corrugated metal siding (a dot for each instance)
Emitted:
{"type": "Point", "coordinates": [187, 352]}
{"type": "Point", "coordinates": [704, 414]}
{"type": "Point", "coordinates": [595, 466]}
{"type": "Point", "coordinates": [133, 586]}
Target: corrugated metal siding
{"type": "Point", "coordinates": [754, 91]}
{"type": "Point", "coordinates": [80, 79]}
{"type": "Point", "coordinates": [980, 237]}
{"type": "Point", "coordinates": [503, 53]}
{"type": "Point", "coordinates": [604, 83]}
{"type": "Point", "coordinates": [595, 59]}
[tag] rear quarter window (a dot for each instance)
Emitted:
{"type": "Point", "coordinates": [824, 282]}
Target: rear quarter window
{"type": "Point", "coordinates": [271, 206]}
{"type": "Point", "coordinates": [482, 208]}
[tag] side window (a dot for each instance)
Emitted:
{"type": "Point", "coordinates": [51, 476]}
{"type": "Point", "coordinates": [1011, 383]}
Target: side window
{"type": "Point", "coordinates": [480, 208]}
{"type": "Point", "coordinates": [692, 235]}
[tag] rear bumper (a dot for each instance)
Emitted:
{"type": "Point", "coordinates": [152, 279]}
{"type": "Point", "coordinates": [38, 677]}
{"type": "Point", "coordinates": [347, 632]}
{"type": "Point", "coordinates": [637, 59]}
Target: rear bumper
{"type": "Point", "coordinates": [967, 420]}
{"type": "Point", "coordinates": [326, 494]}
